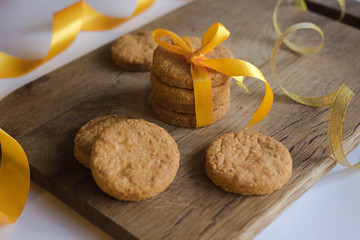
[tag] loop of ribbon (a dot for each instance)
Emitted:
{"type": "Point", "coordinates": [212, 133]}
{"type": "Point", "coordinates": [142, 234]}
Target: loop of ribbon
{"type": "Point", "coordinates": [67, 23]}
{"type": "Point", "coordinates": [299, 48]}
{"type": "Point", "coordinates": [14, 178]}
{"type": "Point", "coordinates": [339, 100]}
{"type": "Point", "coordinates": [235, 68]}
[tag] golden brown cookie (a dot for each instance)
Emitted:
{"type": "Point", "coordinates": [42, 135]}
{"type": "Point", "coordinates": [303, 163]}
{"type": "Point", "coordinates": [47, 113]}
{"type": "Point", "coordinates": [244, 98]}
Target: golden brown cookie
{"type": "Point", "coordinates": [186, 120]}
{"type": "Point", "coordinates": [172, 94]}
{"type": "Point", "coordinates": [134, 160]}
{"type": "Point", "coordinates": [248, 163]}
{"type": "Point", "coordinates": [188, 108]}
{"type": "Point", "coordinates": [174, 69]}
{"type": "Point", "coordinates": [87, 134]}
{"type": "Point", "coordinates": [134, 52]}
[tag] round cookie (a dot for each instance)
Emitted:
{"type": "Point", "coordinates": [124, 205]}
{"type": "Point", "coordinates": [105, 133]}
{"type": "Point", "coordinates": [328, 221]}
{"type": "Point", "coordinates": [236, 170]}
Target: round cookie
{"type": "Point", "coordinates": [134, 52]}
{"type": "Point", "coordinates": [186, 120]}
{"type": "Point", "coordinates": [188, 108]}
{"type": "Point", "coordinates": [248, 163]}
{"type": "Point", "coordinates": [174, 69]}
{"type": "Point", "coordinates": [134, 160]}
{"type": "Point", "coordinates": [87, 134]}
{"type": "Point", "coordinates": [186, 96]}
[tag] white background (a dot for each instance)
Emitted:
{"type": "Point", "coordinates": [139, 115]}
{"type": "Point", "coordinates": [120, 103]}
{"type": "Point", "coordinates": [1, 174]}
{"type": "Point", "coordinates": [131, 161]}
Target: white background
{"type": "Point", "coordinates": [329, 210]}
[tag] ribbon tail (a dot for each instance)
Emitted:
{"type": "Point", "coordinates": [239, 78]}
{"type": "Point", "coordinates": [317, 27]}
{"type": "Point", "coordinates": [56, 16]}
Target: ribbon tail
{"type": "Point", "coordinates": [342, 5]}
{"type": "Point", "coordinates": [240, 81]}
{"type": "Point", "coordinates": [202, 95]}
{"type": "Point", "coordinates": [264, 107]}
{"type": "Point", "coordinates": [236, 68]}
{"type": "Point", "coordinates": [338, 110]}
{"type": "Point", "coordinates": [14, 179]}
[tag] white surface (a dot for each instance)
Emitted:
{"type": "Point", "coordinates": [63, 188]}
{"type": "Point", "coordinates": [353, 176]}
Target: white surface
{"type": "Point", "coordinates": [329, 210]}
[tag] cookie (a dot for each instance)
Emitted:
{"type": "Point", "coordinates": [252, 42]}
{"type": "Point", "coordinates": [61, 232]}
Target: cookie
{"type": "Point", "coordinates": [248, 163]}
{"type": "Point", "coordinates": [87, 134]}
{"type": "Point", "coordinates": [186, 120]}
{"type": "Point", "coordinates": [186, 96]}
{"type": "Point", "coordinates": [134, 52]}
{"type": "Point", "coordinates": [134, 160]}
{"type": "Point", "coordinates": [188, 108]}
{"type": "Point", "coordinates": [174, 69]}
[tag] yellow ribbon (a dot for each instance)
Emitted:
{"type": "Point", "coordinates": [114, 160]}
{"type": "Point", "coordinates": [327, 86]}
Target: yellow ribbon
{"type": "Point", "coordinates": [238, 69]}
{"type": "Point", "coordinates": [339, 99]}
{"type": "Point", "coordinates": [67, 23]}
{"type": "Point", "coordinates": [14, 179]}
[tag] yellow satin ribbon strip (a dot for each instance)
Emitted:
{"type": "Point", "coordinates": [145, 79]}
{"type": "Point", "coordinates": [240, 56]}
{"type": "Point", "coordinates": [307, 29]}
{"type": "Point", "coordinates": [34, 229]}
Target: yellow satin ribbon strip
{"type": "Point", "coordinates": [67, 24]}
{"type": "Point", "coordinates": [238, 69]}
{"type": "Point", "coordinates": [338, 110]}
{"type": "Point", "coordinates": [14, 179]}
{"type": "Point", "coordinates": [339, 99]}
{"type": "Point", "coordinates": [202, 95]}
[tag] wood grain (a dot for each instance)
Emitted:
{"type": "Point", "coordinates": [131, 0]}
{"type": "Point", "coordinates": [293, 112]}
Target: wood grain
{"type": "Point", "coordinates": [45, 115]}
{"type": "Point", "coordinates": [332, 9]}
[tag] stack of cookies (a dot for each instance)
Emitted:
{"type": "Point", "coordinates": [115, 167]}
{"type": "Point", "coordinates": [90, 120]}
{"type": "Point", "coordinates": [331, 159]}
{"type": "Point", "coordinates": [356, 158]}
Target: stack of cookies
{"type": "Point", "coordinates": [172, 86]}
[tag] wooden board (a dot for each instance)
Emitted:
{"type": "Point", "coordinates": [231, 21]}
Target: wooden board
{"type": "Point", "coordinates": [45, 115]}
{"type": "Point", "coordinates": [332, 9]}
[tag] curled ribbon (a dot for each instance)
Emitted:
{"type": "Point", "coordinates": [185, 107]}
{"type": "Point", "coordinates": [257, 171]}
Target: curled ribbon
{"type": "Point", "coordinates": [67, 23]}
{"type": "Point", "coordinates": [14, 178]}
{"type": "Point", "coordinates": [339, 99]}
{"type": "Point", "coordinates": [235, 68]}
{"type": "Point", "coordinates": [303, 6]}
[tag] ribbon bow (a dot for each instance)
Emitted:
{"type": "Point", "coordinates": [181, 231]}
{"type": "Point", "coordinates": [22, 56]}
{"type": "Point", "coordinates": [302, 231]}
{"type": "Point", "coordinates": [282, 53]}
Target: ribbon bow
{"type": "Point", "coordinates": [235, 68]}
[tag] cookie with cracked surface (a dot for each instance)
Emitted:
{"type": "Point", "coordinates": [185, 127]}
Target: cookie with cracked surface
{"type": "Point", "coordinates": [134, 160]}
{"type": "Point", "coordinates": [174, 69]}
{"type": "Point", "coordinates": [248, 163]}
{"type": "Point", "coordinates": [170, 94]}
{"type": "Point", "coordinates": [184, 119]}
{"type": "Point", "coordinates": [187, 108]}
{"type": "Point", "coordinates": [87, 134]}
{"type": "Point", "coordinates": [134, 51]}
